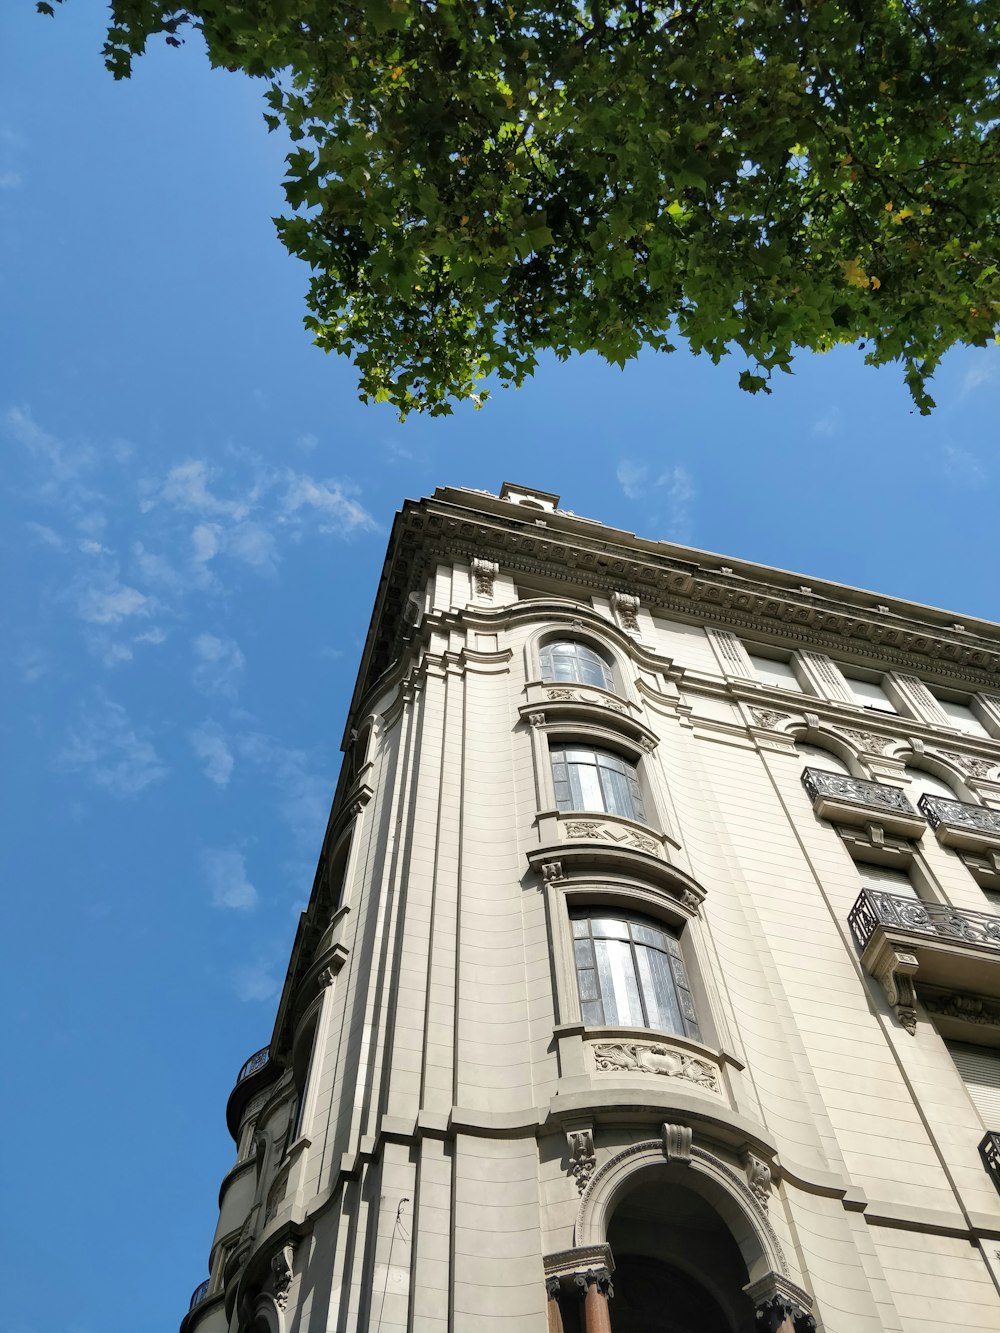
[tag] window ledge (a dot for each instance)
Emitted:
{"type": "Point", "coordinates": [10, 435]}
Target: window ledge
{"type": "Point", "coordinates": [562, 702]}
{"type": "Point", "coordinates": [568, 840]}
{"type": "Point", "coordinates": [645, 1053]}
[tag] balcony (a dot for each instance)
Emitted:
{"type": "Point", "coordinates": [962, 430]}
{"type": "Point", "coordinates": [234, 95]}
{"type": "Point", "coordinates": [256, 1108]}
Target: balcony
{"type": "Point", "coordinates": [255, 1075]}
{"type": "Point", "coordinates": [989, 1151]}
{"type": "Point", "coordinates": [846, 800]}
{"type": "Point", "coordinates": [200, 1292]}
{"type": "Point", "coordinates": [901, 939]}
{"type": "Point", "coordinates": [971, 827]}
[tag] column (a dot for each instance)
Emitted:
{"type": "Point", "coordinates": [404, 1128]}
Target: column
{"type": "Point", "coordinates": [595, 1285]}
{"type": "Point", "coordinates": [553, 1289]}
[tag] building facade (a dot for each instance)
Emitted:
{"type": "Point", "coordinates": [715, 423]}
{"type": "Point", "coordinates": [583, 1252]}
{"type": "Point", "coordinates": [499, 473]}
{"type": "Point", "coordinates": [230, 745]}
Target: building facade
{"type": "Point", "coordinates": [651, 975]}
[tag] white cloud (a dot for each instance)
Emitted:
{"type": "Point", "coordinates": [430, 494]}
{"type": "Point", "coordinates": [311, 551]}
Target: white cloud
{"type": "Point", "coordinates": [89, 547]}
{"type": "Point", "coordinates": [631, 478]}
{"type": "Point", "coordinates": [187, 487]}
{"type": "Point", "coordinates": [254, 545]}
{"type": "Point", "coordinates": [106, 747]}
{"type": "Point", "coordinates": [205, 539]}
{"type": "Point", "coordinates": [226, 873]}
{"type": "Point", "coordinates": [303, 793]}
{"type": "Point", "coordinates": [219, 664]}
{"type": "Point", "coordinates": [111, 602]}
{"type": "Point", "coordinates": [962, 465]}
{"type": "Point", "coordinates": [62, 462]}
{"type": "Point", "coordinates": [156, 569]}
{"type": "Point", "coordinates": [256, 981]}
{"type": "Point", "coordinates": [209, 744]}
{"type": "Point", "coordinates": [680, 492]}
{"type": "Point", "coordinates": [338, 513]}
{"type": "Point", "coordinates": [984, 370]}
{"type": "Point", "coordinates": [46, 535]}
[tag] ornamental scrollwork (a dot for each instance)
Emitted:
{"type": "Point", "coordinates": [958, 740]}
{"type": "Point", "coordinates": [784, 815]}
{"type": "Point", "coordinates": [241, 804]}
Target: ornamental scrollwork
{"type": "Point", "coordinates": [642, 1058]}
{"type": "Point", "coordinates": [582, 1157]}
{"type": "Point", "coordinates": [767, 718]}
{"type": "Point", "coordinates": [868, 741]}
{"type": "Point", "coordinates": [585, 828]}
{"type": "Point", "coordinates": [978, 768]}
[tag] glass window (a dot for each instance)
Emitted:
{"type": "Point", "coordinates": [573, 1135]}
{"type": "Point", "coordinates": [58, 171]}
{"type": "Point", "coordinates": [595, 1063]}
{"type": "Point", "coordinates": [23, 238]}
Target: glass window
{"type": "Point", "coordinates": [774, 672]}
{"type": "Point", "coordinates": [870, 694]}
{"type": "Point", "coordinates": [887, 880]}
{"type": "Point", "coordinates": [567, 660]}
{"type": "Point", "coordinates": [596, 780]}
{"type": "Point", "coordinates": [962, 717]}
{"type": "Point", "coordinates": [631, 974]}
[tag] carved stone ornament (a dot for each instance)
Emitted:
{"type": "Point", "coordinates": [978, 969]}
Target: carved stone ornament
{"type": "Point", "coordinates": [635, 1057]}
{"type": "Point", "coordinates": [895, 973]}
{"type": "Point", "coordinates": [758, 1178]}
{"type": "Point", "coordinates": [626, 608]}
{"type": "Point", "coordinates": [868, 741]}
{"type": "Point", "coordinates": [483, 574]}
{"type": "Point", "coordinates": [326, 977]}
{"type": "Point", "coordinates": [561, 695]}
{"type": "Point", "coordinates": [977, 768]}
{"type": "Point", "coordinates": [690, 900]}
{"type": "Point", "coordinates": [281, 1269]}
{"type": "Point", "coordinates": [594, 1277]}
{"type": "Point", "coordinates": [767, 718]}
{"type": "Point", "coordinates": [586, 828]}
{"type": "Point", "coordinates": [582, 1158]}
{"type": "Point", "coordinates": [551, 871]}
{"type": "Point", "coordinates": [558, 694]}
{"type": "Point", "coordinates": [776, 1299]}
{"type": "Point", "coordinates": [553, 1288]}
{"type": "Point", "coordinates": [537, 719]}
{"type": "Point", "coordinates": [967, 1008]}
{"type": "Point", "coordinates": [647, 743]}
{"type": "Point", "coordinates": [677, 1143]}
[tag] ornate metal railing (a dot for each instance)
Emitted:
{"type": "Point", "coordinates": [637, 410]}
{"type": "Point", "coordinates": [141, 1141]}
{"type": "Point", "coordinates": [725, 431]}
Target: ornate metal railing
{"type": "Point", "coordinates": [876, 908]}
{"type": "Point", "coordinates": [989, 1151]}
{"type": "Point", "coordinates": [256, 1062]}
{"type": "Point", "coordinates": [841, 787]}
{"type": "Point", "coordinates": [975, 818]}
{"type": "Point", "coordinates": [199, 1293]}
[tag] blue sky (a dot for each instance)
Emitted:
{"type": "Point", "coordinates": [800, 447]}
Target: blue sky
{"type": "Point", "coordinates": [194, 515]}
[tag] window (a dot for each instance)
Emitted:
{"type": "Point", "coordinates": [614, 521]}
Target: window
{"type": "Point", "coordinates": [773, 671]}
{"type": "Point", "coordinates": [886, 880]}
{"type": "Point", "coordinates": [566, 659]}
{"type": "Point", "coordinates": [596, 780]}
{"type": "Point", "coordinates": [961, 716]}
{"type": "Point", "coordinates": [870, 694]}
{"type": "Point", "coordinates": [979, 1067]}
{"type": "Point", "coordinates": [813, 757]}
{"type": "Point", "coordinates": [630, 974]}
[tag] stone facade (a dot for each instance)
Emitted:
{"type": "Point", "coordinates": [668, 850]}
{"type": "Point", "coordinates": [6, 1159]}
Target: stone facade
{"type": "Point", "coordinates": [453, 1131]}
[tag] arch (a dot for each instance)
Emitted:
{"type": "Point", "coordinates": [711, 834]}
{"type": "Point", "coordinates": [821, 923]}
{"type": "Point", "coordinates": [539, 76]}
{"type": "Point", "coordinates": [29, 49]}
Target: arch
{"type": "Point", "coordinates": [266, 1316]}
{"type": "Point", "coordinates": [578, 631]}
{"type": "Point", "coordinates": [717, 1183]}
{"type": "Point", "coordinates": [822, 749]}
{"type": "Point", "coordinates": [933, 776]}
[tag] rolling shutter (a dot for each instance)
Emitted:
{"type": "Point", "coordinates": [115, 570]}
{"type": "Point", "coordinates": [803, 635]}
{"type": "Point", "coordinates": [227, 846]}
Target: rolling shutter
{"type": "Point", "coordinates": [979, 1067]}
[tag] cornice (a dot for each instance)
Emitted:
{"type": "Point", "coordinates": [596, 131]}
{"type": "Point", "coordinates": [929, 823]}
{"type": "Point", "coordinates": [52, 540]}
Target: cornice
{"type": "Point", "coordinates": [564, 549]}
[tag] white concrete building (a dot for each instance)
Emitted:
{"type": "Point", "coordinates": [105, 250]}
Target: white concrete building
{"type": "Point", "coordinates": [651, 975]}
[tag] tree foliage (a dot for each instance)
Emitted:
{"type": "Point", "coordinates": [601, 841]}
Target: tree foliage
{"type": "Point", "coordinates": [474, 181]}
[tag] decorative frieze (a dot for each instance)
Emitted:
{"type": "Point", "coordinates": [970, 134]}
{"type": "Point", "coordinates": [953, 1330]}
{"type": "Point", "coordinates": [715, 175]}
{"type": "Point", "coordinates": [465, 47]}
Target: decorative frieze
{"type": "Point", "coordinates": [975, 767]}
{"type": "Point", "coordinates": [977, 1009]}
{"type": "Point", "coordinates": [767, 718]}
{"type": "Point", "coordinates": [867, 741]}
{"type": "Point", "coordinates": [624, 837]}
{"type": "Point", "coordinates": [634, 1057]}
{"type": "Point", "coordinates": [559, 694]}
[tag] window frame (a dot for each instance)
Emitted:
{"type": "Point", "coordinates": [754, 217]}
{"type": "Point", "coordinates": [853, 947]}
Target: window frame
{"type": "Point", "coordinates": [638, 970]}
{"type": "Point", "coordinates": [609, 682]}
{"type": "Point", "coordinates": [603, 776]}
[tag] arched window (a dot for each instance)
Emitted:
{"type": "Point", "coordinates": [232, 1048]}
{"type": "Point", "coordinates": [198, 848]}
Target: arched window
{"type": "Point", "coordinates": [566, 659]}
{"type": "Point", "coordinates": [814, 757]}
{"type": "Point", "coordinates": [596, 780]}
{"type": "Point", "coordinates": [630, 973]}
{"type": "Point", "coordinates": [923, 783]}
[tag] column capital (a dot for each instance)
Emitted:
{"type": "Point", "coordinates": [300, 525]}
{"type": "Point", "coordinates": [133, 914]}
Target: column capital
{"type": "Point", "coordinates": [780, 1306]}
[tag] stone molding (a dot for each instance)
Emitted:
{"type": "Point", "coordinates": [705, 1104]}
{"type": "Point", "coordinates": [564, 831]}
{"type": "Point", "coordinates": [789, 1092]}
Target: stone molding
{"type": "Point", "coordinates": [582, 1157]}
{"type": "Point", "coordinates": [655, 1058]}
{"type": "Point", "coordinates": [484, 573]}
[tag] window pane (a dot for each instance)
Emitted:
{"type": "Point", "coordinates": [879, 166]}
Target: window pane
{"type": "Point", "coordinates": [566, 660]}
{"type": "Point", "coordinates": [962, 716]}
{"type": "Point", "coordinates": [887, 880]}
{"type": "Point", "coordinates": [609, 928]}
{"type": "Point", "coordinates": [649, 935]}
{"type": "Point", "coordinates": [587, 787]}
{"type": "Point", "coordinates": [658, 990]}
{"type": "Point", "coordinates": [619, 988]}
{"type": "Point", "coordinates": [617, 794]}
{"type": "Point", "coordinates": [580, 927]}
{"type": "Point", "coordinates": [772, 672]}
{"type": "Point", "coordinates": [871, 694]}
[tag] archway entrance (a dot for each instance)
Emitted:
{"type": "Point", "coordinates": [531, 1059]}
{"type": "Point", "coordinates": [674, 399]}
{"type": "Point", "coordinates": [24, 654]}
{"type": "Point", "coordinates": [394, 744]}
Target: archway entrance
{"type": "Point", "coordinates": [677, 1267]}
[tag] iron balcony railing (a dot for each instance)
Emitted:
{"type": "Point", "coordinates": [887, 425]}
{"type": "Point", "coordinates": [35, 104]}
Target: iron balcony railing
{"type": "Point", "coordinates": [199, 1293]}
{"type": "Point", "coordinates": [841, 787]}
{"type": "Point", "coordinates": [989, 1151]}
{"type": "Point", "coordinates": [957, 814]}
{"type": "Point", "coordinates": [256, 1062]}
{"type": "Point", "coordinates": [876, 908]}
